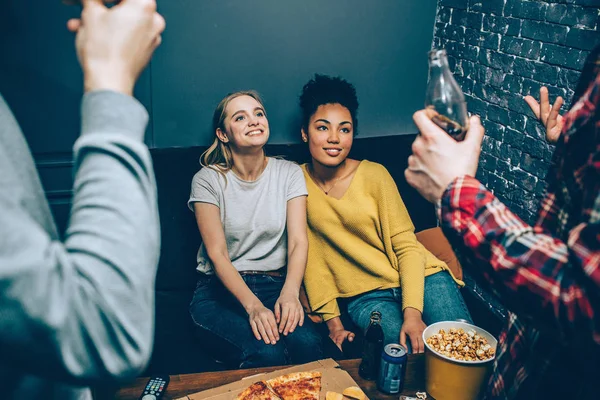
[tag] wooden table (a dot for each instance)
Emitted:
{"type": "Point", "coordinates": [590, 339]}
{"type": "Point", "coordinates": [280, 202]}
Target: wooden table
{"type": "Point", "coordinates": [181, 385]}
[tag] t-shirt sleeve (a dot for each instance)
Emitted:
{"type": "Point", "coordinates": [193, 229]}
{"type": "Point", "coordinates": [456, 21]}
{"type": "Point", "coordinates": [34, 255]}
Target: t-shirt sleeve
{"type": "Point", "coordinates": [296, 184]}
{"type": "Point", "coordinates": [205, 188]}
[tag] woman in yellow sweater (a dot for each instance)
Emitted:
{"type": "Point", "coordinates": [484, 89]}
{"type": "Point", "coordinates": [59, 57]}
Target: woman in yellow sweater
{"type": "Point", "coordinates": [362, 246]}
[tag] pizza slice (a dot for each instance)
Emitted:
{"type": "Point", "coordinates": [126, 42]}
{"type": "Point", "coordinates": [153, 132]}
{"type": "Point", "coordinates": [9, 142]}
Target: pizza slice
{"type": "Point", "coordinates": [297, 386]}
{"type": "Point", "coordinates": [258, 391]}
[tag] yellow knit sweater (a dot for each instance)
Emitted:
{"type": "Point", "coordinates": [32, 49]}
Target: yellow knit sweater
{"type": "Point", "coordinates": [362, 242]}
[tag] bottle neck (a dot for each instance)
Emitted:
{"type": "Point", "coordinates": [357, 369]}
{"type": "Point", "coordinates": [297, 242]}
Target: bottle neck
{"type": "Point", "coordinates": [438, 65]}
{"type": "Point", "coordinates": [438, 58]}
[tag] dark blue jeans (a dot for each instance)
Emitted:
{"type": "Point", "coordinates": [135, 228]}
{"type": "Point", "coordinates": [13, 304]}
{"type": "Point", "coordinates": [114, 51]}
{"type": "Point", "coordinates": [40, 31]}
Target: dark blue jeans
{"type": "Point", "coordinates": [222, 325]}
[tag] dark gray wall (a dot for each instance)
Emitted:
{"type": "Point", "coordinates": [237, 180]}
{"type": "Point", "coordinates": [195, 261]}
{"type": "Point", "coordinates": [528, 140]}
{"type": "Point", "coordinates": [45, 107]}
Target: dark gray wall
{"type": "Point", "coordinates": [39, 74]}
{"type": "Point", "coordinates": [211, 48]}
{"type": "Point", "coordinates": [42, 82]}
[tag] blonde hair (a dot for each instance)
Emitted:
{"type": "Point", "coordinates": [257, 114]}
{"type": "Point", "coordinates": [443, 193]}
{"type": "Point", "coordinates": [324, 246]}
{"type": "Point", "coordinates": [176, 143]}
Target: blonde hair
{"type": "Point", "coordinates": [218, 155]}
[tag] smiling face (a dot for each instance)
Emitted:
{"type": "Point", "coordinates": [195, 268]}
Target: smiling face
{"type": "Point", "coordinates": [245, 124]}
{"type": "Point", "coordinates": [330, 134]}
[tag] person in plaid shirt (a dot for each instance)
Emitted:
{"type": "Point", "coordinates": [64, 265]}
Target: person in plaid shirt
{"type": "Point", "coordinates": [548, 274]}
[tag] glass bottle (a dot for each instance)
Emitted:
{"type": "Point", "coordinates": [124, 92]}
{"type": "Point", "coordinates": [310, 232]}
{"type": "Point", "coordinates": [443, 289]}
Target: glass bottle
{"type": "Point", "coordinates": [372, 348]}
{"type": "Point", "coordinates": [444, 99]}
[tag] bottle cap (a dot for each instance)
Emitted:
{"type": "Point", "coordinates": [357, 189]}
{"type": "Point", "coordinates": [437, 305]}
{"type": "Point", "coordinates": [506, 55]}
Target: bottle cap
{"type": "Point", "coordinates": [437, 53]}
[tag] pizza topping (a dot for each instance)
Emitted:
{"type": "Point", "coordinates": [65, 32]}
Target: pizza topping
{"type": "Point", "coordinates": [258, 391]}
{"type": "Point", "coordinates": [297, 386]}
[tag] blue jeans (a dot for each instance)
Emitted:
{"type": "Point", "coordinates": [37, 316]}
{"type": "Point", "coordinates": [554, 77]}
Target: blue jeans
{"type": "Point", "coordinates": [442, 302]}
{"type": "Point", "coordinates": [222, 325]}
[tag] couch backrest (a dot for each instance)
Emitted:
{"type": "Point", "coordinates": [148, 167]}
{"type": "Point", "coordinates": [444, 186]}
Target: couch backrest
{"type": "Point", "coordinates": [176, 350]}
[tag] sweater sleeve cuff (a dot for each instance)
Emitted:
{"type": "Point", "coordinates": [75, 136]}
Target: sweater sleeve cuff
{"type": "Point", "coordinates": [105, 111]}
{"type": "Point", "coordinates": [416, 305]}
{"type": "Point", "coordinates": [327, 317]}
{"type": "Point", "coordinates": [329, 310]}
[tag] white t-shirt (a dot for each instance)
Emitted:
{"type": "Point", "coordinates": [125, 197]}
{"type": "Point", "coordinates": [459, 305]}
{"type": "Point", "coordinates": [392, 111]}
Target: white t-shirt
{"type": "Point", "coordinates": [253, 214]}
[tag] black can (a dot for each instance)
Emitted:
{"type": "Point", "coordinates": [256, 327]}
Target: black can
{"type": "Point", "coordinates": [392, 369]}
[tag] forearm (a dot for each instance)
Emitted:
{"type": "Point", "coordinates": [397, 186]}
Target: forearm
{"type": "Point", "coordinates": [297, 257]}
{"type": "Point", "coordinates": [410, 257]}
{"type": "Point", "coordinates": [536, 274]}
{"type": "Point", "coordinates": [233, 281]}
{"type": "Point", "coordinates": [412, 283]}
{"type": "Point", "coordinates": [411, 270]}
{"type": "Point", "coordinates": [83, 310]}
{"type": "Point", "coordinates": [335, 324]}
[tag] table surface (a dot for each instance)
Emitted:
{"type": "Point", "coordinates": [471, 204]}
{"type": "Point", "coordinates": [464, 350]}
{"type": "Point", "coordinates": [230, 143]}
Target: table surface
{"type": "Point", "coordinates": [181, 385]}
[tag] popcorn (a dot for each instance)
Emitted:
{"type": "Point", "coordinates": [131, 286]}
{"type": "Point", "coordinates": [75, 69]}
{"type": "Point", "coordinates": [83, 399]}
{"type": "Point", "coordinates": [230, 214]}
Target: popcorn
{"type": "Point", "coordinates": [461, 345]}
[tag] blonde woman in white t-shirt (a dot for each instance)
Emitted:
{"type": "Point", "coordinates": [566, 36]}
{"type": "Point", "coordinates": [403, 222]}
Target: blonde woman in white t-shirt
{"type": "Point", "coordinates": [251, 212]}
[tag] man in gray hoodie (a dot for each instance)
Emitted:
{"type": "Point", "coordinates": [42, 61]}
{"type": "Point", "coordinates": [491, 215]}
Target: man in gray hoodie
{"type": "Point", "coordinates": [79, 312]}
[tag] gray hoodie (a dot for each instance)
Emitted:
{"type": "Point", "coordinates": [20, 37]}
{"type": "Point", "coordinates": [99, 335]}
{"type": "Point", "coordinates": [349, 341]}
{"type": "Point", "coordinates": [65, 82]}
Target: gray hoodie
{"type": "Point", "coordinates": [80, 311]}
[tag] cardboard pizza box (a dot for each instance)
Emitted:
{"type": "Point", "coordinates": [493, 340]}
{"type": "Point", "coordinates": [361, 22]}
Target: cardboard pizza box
{"type": "Point", "coordinates": [333, 379]}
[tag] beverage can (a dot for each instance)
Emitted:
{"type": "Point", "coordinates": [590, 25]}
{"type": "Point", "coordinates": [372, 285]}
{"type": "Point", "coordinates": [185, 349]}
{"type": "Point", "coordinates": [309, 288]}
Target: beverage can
{"type": "Point", "coordinates": [392, 369]}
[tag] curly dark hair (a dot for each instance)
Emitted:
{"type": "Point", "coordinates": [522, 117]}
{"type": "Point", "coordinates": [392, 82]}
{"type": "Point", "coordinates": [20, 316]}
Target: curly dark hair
{"type": "Point", "coordinates": [324, 89]}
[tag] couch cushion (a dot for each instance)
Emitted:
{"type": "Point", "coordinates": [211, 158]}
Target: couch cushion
{"type": "Point", "coordinates": [434, 240]}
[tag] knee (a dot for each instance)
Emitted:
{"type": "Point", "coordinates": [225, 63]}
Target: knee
{"type": "Point", "coordinates": [439, 279]}
{"type": "Point", "coordinates": [304, 337]}
{"type": "Point", "coordinates": [264, 355]}
{"type": "Point", "coordinates": [304, 344]}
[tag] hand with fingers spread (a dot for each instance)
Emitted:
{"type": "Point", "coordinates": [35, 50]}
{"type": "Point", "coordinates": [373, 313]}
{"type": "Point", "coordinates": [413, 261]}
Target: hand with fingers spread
{"type": "Point", "coordinates": [115, 44]}
{"type": "Point", "coordinates": [288, 311]}
{"type": "Point", "coordinates": [438, 159]}
{"type": "Point", "coordinates": [263, 324]}
{"type": "Point", "coordinates": [413, 327]}
{"type": "Point", "coordinates": [548, 114]}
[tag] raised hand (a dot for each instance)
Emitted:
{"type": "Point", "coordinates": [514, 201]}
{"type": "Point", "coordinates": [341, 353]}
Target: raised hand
{"type": "Point", "coordinates": [115, 44]}
{"type": "Point", "coordinates": [438, 159]}
{"type": "Point", "coordinates": [548, 114]}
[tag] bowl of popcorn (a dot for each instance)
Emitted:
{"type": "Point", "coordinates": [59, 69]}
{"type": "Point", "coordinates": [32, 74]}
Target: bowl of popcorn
{"type": "Point", "coordinates": [458, 357]}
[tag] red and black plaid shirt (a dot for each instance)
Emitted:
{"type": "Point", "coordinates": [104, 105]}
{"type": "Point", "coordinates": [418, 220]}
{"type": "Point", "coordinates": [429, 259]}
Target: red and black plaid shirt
{"type": "Point", "coordinates": [548, 275]}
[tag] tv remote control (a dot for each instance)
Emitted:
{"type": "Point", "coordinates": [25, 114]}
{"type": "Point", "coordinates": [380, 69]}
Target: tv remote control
{"type": "Point", "coordinates": [155, 388]}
